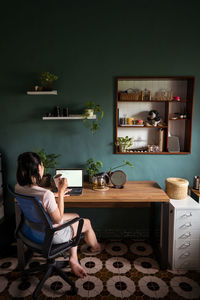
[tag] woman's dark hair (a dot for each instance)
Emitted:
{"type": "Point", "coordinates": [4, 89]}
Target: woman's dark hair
{"type": "Point", "coordinates": [28, 167]}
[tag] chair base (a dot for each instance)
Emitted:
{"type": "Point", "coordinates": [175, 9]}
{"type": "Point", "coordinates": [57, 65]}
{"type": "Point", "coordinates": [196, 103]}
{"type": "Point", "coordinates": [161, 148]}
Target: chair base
{"type": "Point", "coordinates": [50, 267]}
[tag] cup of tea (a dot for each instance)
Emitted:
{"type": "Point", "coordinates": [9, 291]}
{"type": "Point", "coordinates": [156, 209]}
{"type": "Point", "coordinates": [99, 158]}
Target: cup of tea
{"type": "Point", "coordinates": [56, 179]}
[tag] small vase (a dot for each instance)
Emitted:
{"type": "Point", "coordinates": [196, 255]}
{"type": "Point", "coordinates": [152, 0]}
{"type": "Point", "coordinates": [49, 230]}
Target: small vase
{"type": "Point", "coordinates": [89, 112]}
{"type": "Point", "coordinates": [122, 148]}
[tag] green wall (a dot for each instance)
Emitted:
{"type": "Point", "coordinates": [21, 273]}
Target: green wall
{"type": "Point", "coordinates": [87, 44]}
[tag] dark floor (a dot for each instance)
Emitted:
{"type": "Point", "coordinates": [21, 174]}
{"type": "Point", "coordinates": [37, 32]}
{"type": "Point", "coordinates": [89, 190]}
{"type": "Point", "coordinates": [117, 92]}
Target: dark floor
{"type": "Point", "coordinates": [124, 269]}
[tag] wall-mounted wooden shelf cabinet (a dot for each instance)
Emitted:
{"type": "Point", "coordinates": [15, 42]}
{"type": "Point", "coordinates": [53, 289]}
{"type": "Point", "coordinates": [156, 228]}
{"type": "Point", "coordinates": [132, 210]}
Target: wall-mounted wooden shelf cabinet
{"type": "Point", "coordinates": [171, 97]}
{"type": "Point", "coordinates": [70, 117]}
{"type": "Point", "coordinates": [37, 93]}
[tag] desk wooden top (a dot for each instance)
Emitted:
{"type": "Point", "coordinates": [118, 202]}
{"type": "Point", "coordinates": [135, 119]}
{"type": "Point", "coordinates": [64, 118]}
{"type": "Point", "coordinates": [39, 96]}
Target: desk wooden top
{"type": "Point", "coordinates": [133, 194]}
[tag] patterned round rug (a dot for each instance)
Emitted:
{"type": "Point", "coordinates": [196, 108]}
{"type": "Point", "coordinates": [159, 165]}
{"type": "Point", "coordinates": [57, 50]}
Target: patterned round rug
{"type": "Point", "coordinates": [55, 287]}
{"type": "Point", "coordinates": [89, 286]}
{"type": "Point", "coordinates": [146, 265]}
{"type": "Point", "coordinates": [118, 265]}
{"type": "Point", "coordinates": [7, 265]}
{"type": "Point", "coordinates": [91, 264]}
{"type": "Point", "coordinates": [153, 287]}
{"type": "Point", "coordinates": [3, 284]}
{"type": "Point", "coordinates": [120, 286]}
{"type": "Point", "coordinates": [22, 289]}
{"type": "Point", "coordinates": [116, 248]}
{"type": "Point", "coordinates": [141, 248]}
{"type": "Point", "coordinates": [185, 287]}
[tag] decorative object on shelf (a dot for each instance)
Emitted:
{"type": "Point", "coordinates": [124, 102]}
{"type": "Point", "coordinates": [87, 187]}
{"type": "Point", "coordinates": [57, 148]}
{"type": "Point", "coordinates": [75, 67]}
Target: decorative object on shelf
{"type": "Point", "coordinates": [176, 188]}
{"type": "Point", "coordinates": [124, 143]}
{"type": "Point", "coordinates": [49, 162]}
{"type": "Point", "coordinates": [153, 118]}
{"type": "Point", "coordinates": [152, 148]}
{"type": "Point", "coordinates": [47, 80]}
{"type": "Point", "coordinates": [177, 98]}
{"type": "Point", "coordinates": [196, 182]}
{"type": "Point", "coordinates": [161, 139]}
{"type": "Point", "coordinates": [146, 95]}
{"type": "Point", "coordinates": [130, 94]}
{"type": "Point", "coordinates": [140, 122]}
{"type": "Point", "coordinates": [90, 110]}
{"type": "Point", "coordinates": [173, 144]}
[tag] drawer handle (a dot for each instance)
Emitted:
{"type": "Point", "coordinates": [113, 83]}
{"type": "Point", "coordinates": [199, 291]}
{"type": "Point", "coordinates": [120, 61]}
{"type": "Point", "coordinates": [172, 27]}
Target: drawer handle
{"type": "Point", "coordinates": [185, 235]}
{"type": "Point", "coordinates": [187, 215]}
{"type": "Point", "coordinates": [185, 245]}
{"type": "Point", "coordinates": [186, 225]}
{"type": "Point", "coordinates": [186, 254]}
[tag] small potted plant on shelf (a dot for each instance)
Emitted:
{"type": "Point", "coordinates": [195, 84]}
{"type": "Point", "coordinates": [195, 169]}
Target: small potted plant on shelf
{"type": "Point", "coordinates": [47, 80]}
{"type": "Point", "coordinates": [91, 110]}
{"type": "Point", "coordinates": [49, 162]}
{"type": "Point", "coordinates": [124, 143]}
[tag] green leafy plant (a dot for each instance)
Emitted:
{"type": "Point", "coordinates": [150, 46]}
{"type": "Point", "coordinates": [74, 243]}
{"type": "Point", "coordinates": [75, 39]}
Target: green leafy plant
{"type": "Point", "coordinates": [125, 163]}
{"type": "Point", "coordinates": [124, 143]}
{"type": "Point", "coordinates": [92, 167]}
{"type": "Point", "coordinates": [47, 79]}
{"type": "Point", "coordinates": [49, 160]}
{"type": "Point", "coordinates": [90, 110]}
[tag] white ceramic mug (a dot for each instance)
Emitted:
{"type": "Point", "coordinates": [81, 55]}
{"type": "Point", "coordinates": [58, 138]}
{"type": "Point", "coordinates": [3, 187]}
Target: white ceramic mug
{"type": "Point", "coordinates": [56, 179]}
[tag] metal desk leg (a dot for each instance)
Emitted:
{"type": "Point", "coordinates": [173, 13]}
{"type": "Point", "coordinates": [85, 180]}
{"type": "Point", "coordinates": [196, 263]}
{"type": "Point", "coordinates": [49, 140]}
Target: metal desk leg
{"type": "Point", "coordinates": [164, 231]}
{"type": "Point", "coordinates": [20, 245]}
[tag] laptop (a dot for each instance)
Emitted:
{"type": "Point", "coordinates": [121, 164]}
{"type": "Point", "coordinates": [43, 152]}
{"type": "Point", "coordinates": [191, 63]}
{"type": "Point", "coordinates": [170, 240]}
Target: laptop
{"type": "Point", "coordinates": [74, 179]}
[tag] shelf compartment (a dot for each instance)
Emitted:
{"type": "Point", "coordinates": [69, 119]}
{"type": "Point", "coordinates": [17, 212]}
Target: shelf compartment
{"type": "Point", "coordinates": [70, 117]}
{"type": "Point", "coordinates": [37, 93]}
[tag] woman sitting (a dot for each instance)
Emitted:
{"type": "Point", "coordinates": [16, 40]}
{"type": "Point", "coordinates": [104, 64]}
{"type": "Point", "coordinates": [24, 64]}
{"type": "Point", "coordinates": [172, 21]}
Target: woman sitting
{"type": "Point", "coordinates": [30, 171]}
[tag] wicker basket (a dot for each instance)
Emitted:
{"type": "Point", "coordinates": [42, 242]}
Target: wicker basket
{"type": "Point", "coordinates": [176, 188]}
{"type": "Point", "coordinates": [129, 96]}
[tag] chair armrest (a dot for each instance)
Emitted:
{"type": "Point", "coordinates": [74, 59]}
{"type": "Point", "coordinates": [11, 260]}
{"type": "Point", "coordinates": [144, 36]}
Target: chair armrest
{"type": "Point", "coordinates": [60, 227]}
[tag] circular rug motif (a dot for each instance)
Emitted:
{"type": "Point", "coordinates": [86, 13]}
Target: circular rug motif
{"type": "Point", "coordinates": [3, 284]}
{"type": "Point", "coordinates": [91, 264]}
{"type": "Point", "coordinates": [141, 248]}
{"type": "Point", "coordinates": [118, 265]}
{"type": "Point", "coordinates": [90, 286]}
{"type": "Point", "coordinates": [7, 265]}
{"type": "Point", "coordinates": [22, 289]}
{"type": "Point", "coordinates": [185, 287]}
{"type": "Point", "coordinates": [35, 262]}
{"type": "Point", "coordinates": [120, 286]}
{"type": "Point", "coordinates": [153, 287]}
{"type": "Point", "coordinates": [116, 248]}
{"type": "Point", "coordinates": [146, 265]}
{"type": "Point", "coordinates": [85, 249]}
{"type": "Point", "coordinates": [177, 272]}
{"type": "Point", "coordinates": [55, 287]}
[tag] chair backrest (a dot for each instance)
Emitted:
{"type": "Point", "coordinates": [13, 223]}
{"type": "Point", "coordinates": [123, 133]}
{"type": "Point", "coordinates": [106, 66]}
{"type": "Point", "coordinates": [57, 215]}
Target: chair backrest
{"type": "Point", "coordinates": [35, 219]}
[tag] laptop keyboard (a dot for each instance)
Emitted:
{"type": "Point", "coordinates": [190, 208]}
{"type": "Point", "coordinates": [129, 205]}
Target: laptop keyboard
{"type": "Point", "coordinates": [75, 191]}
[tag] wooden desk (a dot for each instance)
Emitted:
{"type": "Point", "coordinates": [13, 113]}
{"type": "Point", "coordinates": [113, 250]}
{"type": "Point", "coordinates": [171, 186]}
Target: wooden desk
{"type": "Point", "coordinates": [134, 193]}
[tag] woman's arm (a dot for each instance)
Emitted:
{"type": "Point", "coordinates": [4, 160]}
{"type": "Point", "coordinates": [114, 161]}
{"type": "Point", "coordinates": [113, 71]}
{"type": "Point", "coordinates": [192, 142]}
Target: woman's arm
{"type": "Point", "coordinates": [57, 214]}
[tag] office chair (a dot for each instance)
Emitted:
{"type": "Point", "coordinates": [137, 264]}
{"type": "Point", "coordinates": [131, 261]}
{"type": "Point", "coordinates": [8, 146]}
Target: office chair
{"type": "Point", "coordinates": [36, 232]}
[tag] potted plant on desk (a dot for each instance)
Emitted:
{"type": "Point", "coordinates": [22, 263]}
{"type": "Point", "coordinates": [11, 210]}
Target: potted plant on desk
{"type": "Point", "coordinates": [49, 162]}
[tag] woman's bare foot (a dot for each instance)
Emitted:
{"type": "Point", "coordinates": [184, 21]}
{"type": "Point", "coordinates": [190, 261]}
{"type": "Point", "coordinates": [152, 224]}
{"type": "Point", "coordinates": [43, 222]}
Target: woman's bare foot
{"type": "Point", "coordinates": [99, 248]}
{"type": "Point", "coordinates": [77, 269]}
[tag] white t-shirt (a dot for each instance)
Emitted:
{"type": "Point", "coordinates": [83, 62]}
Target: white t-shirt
{"type": "Point", "coordinates": [45, 196]}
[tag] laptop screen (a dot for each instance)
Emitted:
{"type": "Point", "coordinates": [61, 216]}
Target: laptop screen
{"type": "Point", "coordinates": [74, 176]}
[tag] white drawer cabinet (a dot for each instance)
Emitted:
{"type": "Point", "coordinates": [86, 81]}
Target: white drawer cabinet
{"type": "Point", "coordinates": [184, 234]}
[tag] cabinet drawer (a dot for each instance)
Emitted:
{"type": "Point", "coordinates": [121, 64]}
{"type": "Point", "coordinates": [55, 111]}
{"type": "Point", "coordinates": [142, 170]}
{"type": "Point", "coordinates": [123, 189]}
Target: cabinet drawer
{"type": "Point", "coordinates": [187, 264]}
{"type": "Point", "coordinates": [186, 234]}
{"type": "Point", "coordinates": [188, 215]}
{"type": "Point", "coordinates": [188, 244]}
{"type": "Point", "coordinates": [188, 225]}
{"type": "Point", "coordinates": [192, 252]}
